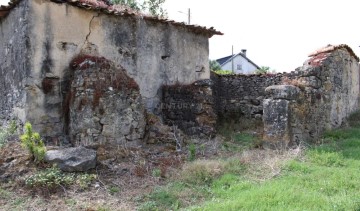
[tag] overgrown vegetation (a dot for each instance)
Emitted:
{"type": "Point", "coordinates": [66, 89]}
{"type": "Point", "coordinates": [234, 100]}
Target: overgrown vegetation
{"type": "Point", "coordinates": [154, 7]}
{"type": "Point", "coordinates": [323, 177]}
{"type": "Point", "coordinates": [223, 72]}
{"type": "Point", "coordinates": [52, 178]}
{"type": "Point", "coordinates": [214, 65]}
{"type": "Point", "coordinates": [33, 143]}
{"type": "Point", "coordinates": [264, 70]}
{"type": "Point", "coordinates": [239, 177]}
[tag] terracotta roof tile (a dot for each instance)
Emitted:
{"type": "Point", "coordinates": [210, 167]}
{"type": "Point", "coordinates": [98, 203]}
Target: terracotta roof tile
{"type": "Point", "coordinates": [330, 48]}
{"type": "Point", "coordinates": [106, 7]}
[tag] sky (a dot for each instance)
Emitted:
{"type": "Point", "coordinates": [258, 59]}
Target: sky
{"type": "Point", "coordinates": [277, 33]}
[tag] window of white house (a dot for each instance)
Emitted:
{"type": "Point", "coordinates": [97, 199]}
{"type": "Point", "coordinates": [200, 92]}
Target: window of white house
{"type": "Point", "coordinates": [239, 67]}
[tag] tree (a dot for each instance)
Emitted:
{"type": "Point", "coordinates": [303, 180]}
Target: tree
{"type": "Point", "coordinates": [264, 70]}
{"type": "Point", "coordinates": [214, 65]}
{"type": "Point", "coordinates": [154, 7]}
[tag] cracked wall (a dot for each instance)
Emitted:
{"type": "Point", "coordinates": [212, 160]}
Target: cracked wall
{"type": "Point", "coordinates": [152, 53]}
{"type": "Point", "coordinates": [14, 64]}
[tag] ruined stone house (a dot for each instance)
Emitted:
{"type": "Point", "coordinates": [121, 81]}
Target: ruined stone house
{"type": "Point", "coordinates": [88, 71]}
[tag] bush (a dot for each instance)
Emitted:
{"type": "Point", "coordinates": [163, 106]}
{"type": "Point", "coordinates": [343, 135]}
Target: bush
{"type": "Point", "coordinates": [33, 143]}
{"type": "Point", "coordinates": [223, 72]}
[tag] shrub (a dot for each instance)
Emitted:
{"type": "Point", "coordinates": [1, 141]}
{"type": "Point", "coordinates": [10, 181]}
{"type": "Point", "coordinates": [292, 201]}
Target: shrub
{"type": "Point", "coordinates": [223, 72]}
{"type": "Point", "coordinates": [33, 143]}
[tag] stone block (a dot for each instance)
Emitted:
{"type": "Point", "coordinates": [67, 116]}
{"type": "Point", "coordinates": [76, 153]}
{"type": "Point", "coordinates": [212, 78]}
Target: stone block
{"type": "Point", "coordinates": [287, 92]}
{"type": "Point", "coordinates": [277, 131]}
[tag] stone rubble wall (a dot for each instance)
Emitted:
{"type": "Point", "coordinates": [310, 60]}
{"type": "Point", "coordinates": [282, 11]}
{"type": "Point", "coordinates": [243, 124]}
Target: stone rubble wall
{"type": "Point", "coordinates": [318, 98]}
{"type": "Point", "coordinates": [190, 107]}
{"type": "Point", "coordinates": [103, 104]}
{"type": "Point", "coordinates": [241, 96]}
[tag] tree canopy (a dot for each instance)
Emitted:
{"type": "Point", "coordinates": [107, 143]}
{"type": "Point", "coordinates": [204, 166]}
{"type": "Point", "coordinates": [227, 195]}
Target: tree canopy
{"type": "Point", "coordinates": [153, 7]}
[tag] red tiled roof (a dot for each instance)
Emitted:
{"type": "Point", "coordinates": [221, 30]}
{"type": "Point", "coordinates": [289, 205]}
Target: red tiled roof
{"type": "Point", "coordinates": [330, 48]}
{"type": "Point", "coordinates": [119, 10]}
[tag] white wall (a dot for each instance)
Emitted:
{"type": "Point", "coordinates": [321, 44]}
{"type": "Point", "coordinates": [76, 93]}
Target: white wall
{"type": "Point", "coordinates": [247, 67]}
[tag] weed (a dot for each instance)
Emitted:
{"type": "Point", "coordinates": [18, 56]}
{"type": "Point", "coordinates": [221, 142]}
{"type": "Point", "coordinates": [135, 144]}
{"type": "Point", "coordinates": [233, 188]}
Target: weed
{"type": "Point", "coordinates": [114, 190]}
{"type": "Point", "coordinates": [156, 172]}
{"type": "Point", "coordinates": [33, 143]}
{"type": "Point", "coordinates": [326, 158]}
{"type": "Point", "coordinates": [53, 178]}
{"type": "Point", "coordinates": [161, 200]}
{"type": "Point", "coordinates": [201, 172]}
{"type": "Point", "coordinates": [3, 137]}
{"type": "Point", "coordinates": [192, 152]}
{"type": "Point", "coordinates": [49, 178]}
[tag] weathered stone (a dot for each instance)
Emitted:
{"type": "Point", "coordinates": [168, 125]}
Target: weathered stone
{"type": "Point", "coordinates": [322, 100]}
{"type": "Point", "coordinates": [190, 107]}
{"type": "Point", "coordinates": [287, 92]}
{"type": "Point", "coordinates": [276, 123]}
{"type": "Point", "coordinates": [72, 159]}
{"type": "Point", "coordinates": [112, 114]}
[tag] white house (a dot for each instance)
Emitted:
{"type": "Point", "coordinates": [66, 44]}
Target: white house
{"type": "Point", "coordinates": [239, 63]}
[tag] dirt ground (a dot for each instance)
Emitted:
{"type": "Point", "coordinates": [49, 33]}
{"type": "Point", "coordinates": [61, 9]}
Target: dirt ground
{"type": "Point", "coordinates": [122, 177]}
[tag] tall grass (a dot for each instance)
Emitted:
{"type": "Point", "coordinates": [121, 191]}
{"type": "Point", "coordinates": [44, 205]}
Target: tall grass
{"type": "Point", "coordinates": [324, 177]}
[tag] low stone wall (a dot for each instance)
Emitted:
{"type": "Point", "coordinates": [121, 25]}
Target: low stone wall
{"type": "Point", "coordinates": [239, 96]}
{"type": "Point", "coordinates": [190, 107]}
{"type": "Point", "coordinates": [319, 97]}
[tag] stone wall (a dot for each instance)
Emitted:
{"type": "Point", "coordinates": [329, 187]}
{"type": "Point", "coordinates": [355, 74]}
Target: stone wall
{"type": "Point", "coordinates": [318, 98]}
{"type": "Point", "coordinates": [103, 104]}
{"type": "Point", "coordinates": [190, 107]}
{"type": "Point", "coordinates": [241, 96]}
{"type": "Point", "coordinates": [14, 64]}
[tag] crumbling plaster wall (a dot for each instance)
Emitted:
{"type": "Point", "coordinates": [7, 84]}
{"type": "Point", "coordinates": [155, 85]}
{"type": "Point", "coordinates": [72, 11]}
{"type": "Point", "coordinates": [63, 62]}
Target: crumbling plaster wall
{"type": "Point", "coordinates": [14, 64]}
{"type": "Point", "coordinates": [152, 53]}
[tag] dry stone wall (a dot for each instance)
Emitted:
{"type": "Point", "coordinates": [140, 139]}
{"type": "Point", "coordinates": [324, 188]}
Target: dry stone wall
{"type": "Point", "coordinates": [241, 96]}
{"type": "Point", "coordinates": [319, 97]}
{"type": "Point", "coordinates": [190, 107]}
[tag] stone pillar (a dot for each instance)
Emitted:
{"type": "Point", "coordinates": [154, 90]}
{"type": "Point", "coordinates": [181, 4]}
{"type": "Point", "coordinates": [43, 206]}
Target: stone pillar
{"type": "Point", "coordinates": [277, 116]}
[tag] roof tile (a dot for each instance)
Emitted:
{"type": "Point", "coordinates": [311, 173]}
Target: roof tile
{"type": "Point", "coordinates": [120, 10]}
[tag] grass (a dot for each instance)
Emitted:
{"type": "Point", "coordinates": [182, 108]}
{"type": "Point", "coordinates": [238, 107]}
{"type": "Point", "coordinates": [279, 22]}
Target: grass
{"type": "Point", "coordinates": [323, 177]}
